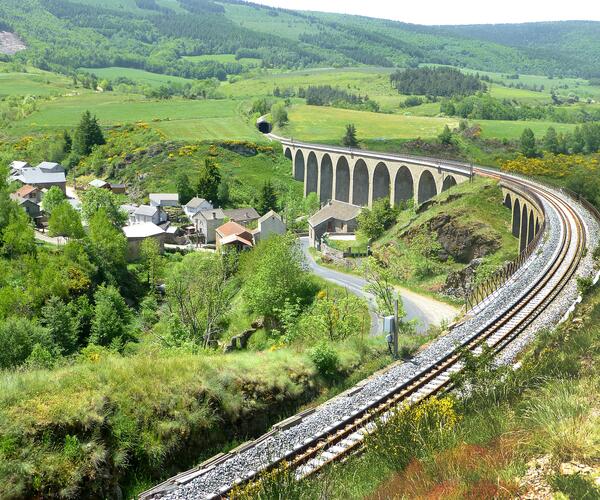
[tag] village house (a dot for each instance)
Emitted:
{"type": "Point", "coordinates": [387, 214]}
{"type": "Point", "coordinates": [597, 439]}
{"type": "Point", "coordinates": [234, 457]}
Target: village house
{"type": "Point", "coordinates": [45, 175]}
{"type": "Point", "coordinates": [99, 184]}
{"type": "Point", "coordinates": [232, 234]}
{"type": "Point", "coordinates": [195, 205]}
{"type": "Point", "coordinates": [269, 224]}
{"type": "Point", "coordinates": [28, 192]}
{"type": "Point", "coordinates": [164, 199]}
{"type": "Point", "coordinates": [147, 213]}
{"type": "Point", "coordinates": [115, 188]}
{"type": "Point", "coordinates": [206, 222]}
{"type": "Point", "coordinates": [137, 233]}
{"type": "Point", "coordinates": [16, 166]}
{"type": "Point", "coordinates": [335, 217]}
{"type": "Point", "coordinates": [244, 216]}
{"type": "Point", "coordinates": [32, 208]}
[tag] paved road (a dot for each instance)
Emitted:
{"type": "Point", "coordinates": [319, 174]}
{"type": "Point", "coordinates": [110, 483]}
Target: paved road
{"type": "Point", "coordinates": [425, 310]}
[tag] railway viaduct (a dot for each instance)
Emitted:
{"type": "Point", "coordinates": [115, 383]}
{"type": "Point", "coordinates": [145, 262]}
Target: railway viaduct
{"type": "Point", "coordinates": [360, 177]}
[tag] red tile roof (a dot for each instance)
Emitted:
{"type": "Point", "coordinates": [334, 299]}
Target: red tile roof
{"type": "Point", "coordinates": [25, 190]}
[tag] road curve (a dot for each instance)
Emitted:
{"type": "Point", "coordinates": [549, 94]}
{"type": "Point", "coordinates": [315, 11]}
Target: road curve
{"type": "Point", "coordinates": [425, 311]}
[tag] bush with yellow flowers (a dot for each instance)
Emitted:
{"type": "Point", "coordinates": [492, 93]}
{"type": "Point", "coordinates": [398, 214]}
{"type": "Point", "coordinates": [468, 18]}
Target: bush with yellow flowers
{"type": "Point", "coordinates": [409, 429]}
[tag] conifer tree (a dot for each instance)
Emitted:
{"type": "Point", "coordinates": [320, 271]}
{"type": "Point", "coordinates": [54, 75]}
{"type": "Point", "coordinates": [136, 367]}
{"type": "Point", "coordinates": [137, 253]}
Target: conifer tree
{"type": "Point", "coordinates": [87, 135]}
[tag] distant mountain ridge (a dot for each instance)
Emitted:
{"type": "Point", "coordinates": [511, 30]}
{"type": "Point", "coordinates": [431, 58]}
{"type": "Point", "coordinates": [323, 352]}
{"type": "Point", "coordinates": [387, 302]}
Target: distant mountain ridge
{"type": "Point", "coordinates": [155, 34]}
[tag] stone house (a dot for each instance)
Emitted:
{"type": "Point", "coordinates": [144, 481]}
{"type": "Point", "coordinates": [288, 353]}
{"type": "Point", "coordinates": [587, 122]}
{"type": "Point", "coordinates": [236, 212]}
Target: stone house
{"type": "Point", "coordinates": [164, 199]}
{"type": "Point", "coordinates": [195, 205]}
{"type": "Point", "coordinates": [334, 217]}
{"type": "Point", "coordinates": [206, 223]}
{"type": "Point", "coordinates": [137, 233]}
{"type": "Point", "coordinates": [269, 224]}
{"type": "Point", "coordinates": [232, 234]}
{"type": "Point", "coordinates": [147, 213]}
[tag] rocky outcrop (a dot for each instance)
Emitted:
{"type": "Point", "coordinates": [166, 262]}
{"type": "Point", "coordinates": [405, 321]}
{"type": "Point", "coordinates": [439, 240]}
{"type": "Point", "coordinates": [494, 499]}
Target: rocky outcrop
{"type": "Point", "coordinates": [461, 242]}
{"type": "Point", "coordinates": [460, 283]}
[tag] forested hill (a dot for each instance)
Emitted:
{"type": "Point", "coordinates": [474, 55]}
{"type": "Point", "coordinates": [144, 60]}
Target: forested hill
{"type": "Point", "coordinates": [159, 35]}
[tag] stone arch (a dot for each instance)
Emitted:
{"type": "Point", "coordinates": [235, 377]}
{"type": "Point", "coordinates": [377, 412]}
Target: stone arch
{"type": "Point", "coordinates": [404, 189]}
{"type": "Point", "coordinates": [531, 231]}
{"type": "Point", "coordinates": [326, 187]}
{"type": "Point", "coordinates": [299, 166]}
{"type": "Point", "coordinates": [508, 201]}
{"type": "Point", "coordinates": [381, 182]}
{"type": "Point", "coordinates": [427, 189]}
{"type": "Point", "coordinates": [360, 184]}
{"type": "Point", "coordinates": [342, 180]}
{"type": "Point", "coordinates": [523, 234]}
{"type": "Point", "coordinates": [516, 222]}
{"type": "Point", "coordinates": [449, 181]}
{"type": "Point", "coordinates": [312, 173]}
{"type": "Point", "coordinates": [288, 153]}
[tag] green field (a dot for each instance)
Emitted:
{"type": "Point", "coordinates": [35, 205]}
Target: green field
{"type": "Point", "coordinates": [137, 75]}
{"type": "Point", "coordinates": [327, 125]}
{"type": "Point", "coordinates": [34, 82]}
{"type": "Point", "coordinates": [178, 118]}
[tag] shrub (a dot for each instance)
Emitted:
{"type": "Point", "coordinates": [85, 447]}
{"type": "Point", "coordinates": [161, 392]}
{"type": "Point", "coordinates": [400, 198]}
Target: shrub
{"type": "Point", "coordinates": [325, 359]}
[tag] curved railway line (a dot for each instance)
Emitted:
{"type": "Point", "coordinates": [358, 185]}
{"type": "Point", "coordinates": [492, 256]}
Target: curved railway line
{"type": "Point", "coordinates": [345, 436]}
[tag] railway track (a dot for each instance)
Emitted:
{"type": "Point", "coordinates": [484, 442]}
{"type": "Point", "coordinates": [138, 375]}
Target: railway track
{"type": "Point", "coordinates": [346, 436]}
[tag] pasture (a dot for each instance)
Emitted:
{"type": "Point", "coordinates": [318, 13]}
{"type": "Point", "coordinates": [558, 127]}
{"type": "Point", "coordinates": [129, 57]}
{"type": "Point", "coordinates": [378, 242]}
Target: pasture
{"type": "Point", "coordinates": [328, 124]}
{"type": "Point", "coordinates": [177, 118]}
{"type": "Point", "coordinates": [137, 75]}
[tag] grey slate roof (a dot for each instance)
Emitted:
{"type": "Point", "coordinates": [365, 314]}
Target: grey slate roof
{"type": "Point", "coordinates": [211, 214]}
{"type": "Point", "coordinates": [337, 210]}
{"type": "Point", "coordinates": [158, 197]}
{"type": "Point", "coordinates": [146, 210]}
{"type": "Point", "coordinates": [195, 202]}
{"type": "Point", "coordinates": [237, 214]}
{"type": "Point", "coordinates": [268, 215]}
{"type": "Point", "coordinates": [36, 175]}
{"type": "Point", "coordinates": [50, 166]}
{"type": "Point", "coordinates": [98, 183]}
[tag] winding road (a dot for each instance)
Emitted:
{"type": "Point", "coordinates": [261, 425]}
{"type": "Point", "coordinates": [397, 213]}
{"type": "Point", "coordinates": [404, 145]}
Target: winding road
{"type": "Point", "coordinates": [425, 310]}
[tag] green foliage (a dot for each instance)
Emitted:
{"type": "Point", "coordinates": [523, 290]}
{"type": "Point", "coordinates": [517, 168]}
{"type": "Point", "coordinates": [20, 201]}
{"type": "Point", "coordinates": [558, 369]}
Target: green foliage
{"type": "Point", "coordinates": [65, 221]}
{"type": "Point", "coordinates": [95, 200]}
{"type": "Point", "coordinates": [326, 359]}
{"type": "Point", "coordinates": [209, 179]}
{"type": "Point", "coordinates": [273, 275]}
{"type": "Point", "coordinates": [18, 337]}
{"type": "Point", "coordinates": [550, 141]}
{"type": "Point", "coordinates": [18, 237]}
{"type": "Point", "coordinates": [112, 317]}
{"type": "Point", "coordinates": [199, 292]}
{"type": "Point", "coordinates": [87, 135]}
{"type": "Point", "coordinates": [60, 324]}
{"type": "Point", "coordinates": [349, 140]}
{"type": "Point", "coordinates": [380, 284]}
{"type": "Point", "coordinates": [107, 245]}
{"type": "Point", "coordinates": [326, 95]}
{"type": "Point", "coordinates": [152, 261]}
{"type": "Point", "coordinates": [333, 317]}
{"type": "Point", "coordinates": [372, 223]}
{"type": "Point", "coordinates": [446, 136]}
{"type": "Point", "coordinates": [527, 144]}
{"type": "Point", "coordinates": [279, 114]}
{"type": "Point", "coordinates": [184, 188]}
{"type": "Point", "coordinates": [267, 199]}
{"type": "Point", "coordinates": [52, 199]}
{"type": "Point", "coordinates": [437, 81]}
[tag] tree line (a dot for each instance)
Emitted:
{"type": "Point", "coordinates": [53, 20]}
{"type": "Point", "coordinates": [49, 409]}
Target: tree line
{"type": "Point", "coordinates": [438, 82]}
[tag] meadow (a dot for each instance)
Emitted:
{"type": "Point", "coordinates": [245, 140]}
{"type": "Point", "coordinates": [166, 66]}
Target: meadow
{"type": "Point", "coordinates": [327, 124]}
{"type": "Point", "coordinates": [137, 75]}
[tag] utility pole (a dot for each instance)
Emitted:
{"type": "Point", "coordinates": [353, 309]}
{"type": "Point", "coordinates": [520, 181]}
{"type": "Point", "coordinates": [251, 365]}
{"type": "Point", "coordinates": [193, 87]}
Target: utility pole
{"type": "Point", "coordinates": [395, 333]}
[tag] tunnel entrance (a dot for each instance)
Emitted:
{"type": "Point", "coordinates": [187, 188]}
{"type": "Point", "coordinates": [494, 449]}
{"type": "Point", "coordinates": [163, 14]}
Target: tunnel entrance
{"type": "Point", "coordinates": [264, 126]}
